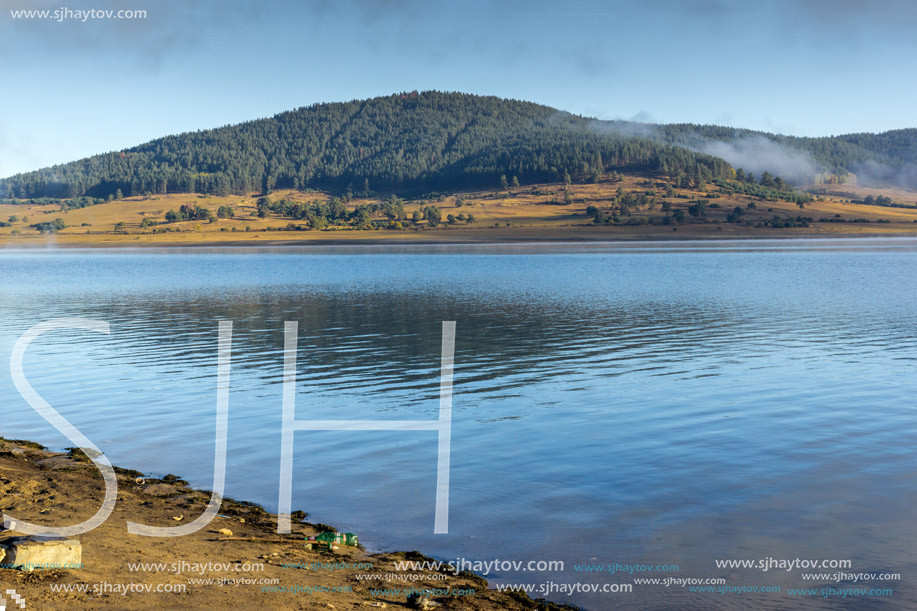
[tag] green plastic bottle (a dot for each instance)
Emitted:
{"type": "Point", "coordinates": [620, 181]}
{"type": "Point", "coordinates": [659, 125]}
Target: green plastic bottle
{"type": "Point", "coordinates": [339, 538]}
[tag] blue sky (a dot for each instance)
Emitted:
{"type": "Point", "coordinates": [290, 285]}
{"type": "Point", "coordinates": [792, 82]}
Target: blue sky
{"type": "Point", "coordinates": [806, 67]}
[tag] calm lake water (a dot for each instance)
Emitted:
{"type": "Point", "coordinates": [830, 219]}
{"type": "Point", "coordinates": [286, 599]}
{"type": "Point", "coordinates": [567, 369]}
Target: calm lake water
{"type": "Point", "coordinates": [660, 403]}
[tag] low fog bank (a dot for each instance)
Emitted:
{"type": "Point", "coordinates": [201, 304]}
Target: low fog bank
{"type": "Point", "coordinates": [757, 153]}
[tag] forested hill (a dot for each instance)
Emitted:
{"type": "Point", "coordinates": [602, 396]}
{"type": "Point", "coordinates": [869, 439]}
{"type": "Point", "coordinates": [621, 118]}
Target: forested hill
{"type": "Point", "coordinates": [434, 141]}
{"type": "Point", "coordinates": [429, 141]}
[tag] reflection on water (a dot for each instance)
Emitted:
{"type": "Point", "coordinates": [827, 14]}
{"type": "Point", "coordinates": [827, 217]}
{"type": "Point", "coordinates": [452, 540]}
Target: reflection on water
{"type": "Point", "coordinates": [656, 402]}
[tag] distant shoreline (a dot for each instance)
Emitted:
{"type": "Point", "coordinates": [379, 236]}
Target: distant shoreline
{"type": "Point", "coordinates": [521, 237]}
{"type": "Point", "coordinates": [625, 208]}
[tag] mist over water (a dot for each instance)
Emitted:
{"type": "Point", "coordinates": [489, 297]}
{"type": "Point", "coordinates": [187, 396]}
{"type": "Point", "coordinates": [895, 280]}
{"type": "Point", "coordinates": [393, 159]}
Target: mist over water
{"type": "Point", "coordinates": [653, 402]}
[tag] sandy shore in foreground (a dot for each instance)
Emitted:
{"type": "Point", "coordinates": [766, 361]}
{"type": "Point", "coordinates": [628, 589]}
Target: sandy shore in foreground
{"type": "Point", "coordinates": [60, 489]}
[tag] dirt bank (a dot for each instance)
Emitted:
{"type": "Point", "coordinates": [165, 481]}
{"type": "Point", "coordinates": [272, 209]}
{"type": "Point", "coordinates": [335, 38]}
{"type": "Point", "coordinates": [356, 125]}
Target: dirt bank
{"type": "Point", "coordinates": [253, 568]}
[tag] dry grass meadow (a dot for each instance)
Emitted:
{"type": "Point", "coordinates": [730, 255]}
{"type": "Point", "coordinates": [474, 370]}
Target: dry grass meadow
{"type": "Point", "coordinates": [534, 212]}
